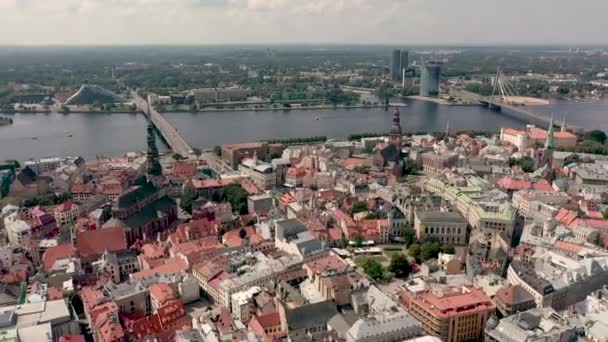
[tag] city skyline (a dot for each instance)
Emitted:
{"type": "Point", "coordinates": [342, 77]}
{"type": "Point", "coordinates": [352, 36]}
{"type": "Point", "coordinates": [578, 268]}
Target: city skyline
{"type": "Point", "coordinates": [391, 22]}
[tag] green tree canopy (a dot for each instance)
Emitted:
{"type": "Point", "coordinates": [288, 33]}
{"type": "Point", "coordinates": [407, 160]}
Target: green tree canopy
{"type": "Point", "coordinates": [415, 251]}
{"type": "Point", "coordinates": [596, 135]}
{"type": "Point", "coordinates": [187, 199]}
{"type": "Point", "coordinates": [358, 240]}
{"type": "Point", "coordinates": [409, 235]}
{"type": "Point", "coordinates": [400, 265]}
{"type": "Point", "coordinates": [373, 269]}
{"type": "Point", "coordinates": [358, 207]}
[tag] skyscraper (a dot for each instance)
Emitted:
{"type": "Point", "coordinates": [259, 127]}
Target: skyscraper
{"type": "Point", "coordinates": [430, 74]}
{"type": "Point", "coordinates": [396, 65]}
{"type": "Point", "coordinates": [399, 62]}
{"type": "Point", "coordinates": [404, 62]}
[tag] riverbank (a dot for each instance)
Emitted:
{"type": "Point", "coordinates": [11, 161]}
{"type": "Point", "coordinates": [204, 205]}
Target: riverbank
{"type": "Point", "coordinates": [441, 101]}
{"type": "Point", "coordinates": [269, 109]}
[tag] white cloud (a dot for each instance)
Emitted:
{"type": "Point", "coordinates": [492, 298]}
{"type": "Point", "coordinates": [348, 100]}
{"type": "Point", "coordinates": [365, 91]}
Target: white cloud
{"type": "Point", "coordinates": [268, 21]}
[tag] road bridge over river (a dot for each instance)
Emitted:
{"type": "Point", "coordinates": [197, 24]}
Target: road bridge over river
{"type": "Point", "coordinates": [175, 141]}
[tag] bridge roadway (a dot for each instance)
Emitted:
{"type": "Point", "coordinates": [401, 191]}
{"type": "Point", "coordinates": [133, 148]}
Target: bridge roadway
{"type": "Point", "coordinates": [522, 110]}
{"type": "Point", "coordinates": [175, 141]}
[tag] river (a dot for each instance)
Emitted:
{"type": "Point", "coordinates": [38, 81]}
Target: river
{"type": "Point", "coordinates": [46, 135]}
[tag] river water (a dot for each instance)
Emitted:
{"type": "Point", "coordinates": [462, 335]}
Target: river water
{"type": "Point", "coordinates": [89, 135]}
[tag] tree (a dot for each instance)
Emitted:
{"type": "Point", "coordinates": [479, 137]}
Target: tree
{"type": "Point", "coordinates": [187, 199]}
{"type": "Point", "coordinates": [409, 235]}
{"type": "Point", "coordinates": [400, 265]}
{"type": "Point", "coordinates": [197, 152]}
{"type": "Point", "coordinates": [154, 168]}
{"type": "Point", "coordinates": [372, 216]}
{"type": "Point", "coordinates": [384, 93]}
{"type": "Point", "coordinates": [409, 167]}
{"type": "Point", "coordinates": [217, 149]}
{"type": "Point", "coordinates": [177, 156]}
{"type": "Point", "coordinates": [415, 251]}
{"type": "Point", "coordinates": [605, 214]}
{"type": "Point", "coordinates": [242, 233]}
{"type": "Point", "coordinates": [358, 207]}
{"type": "Point", "coordinates": [237, 197]}
{"type": "Point", "coordinates": [596, 135]}
{"type": "Point", "coordinates": [429, 250]}
{"type": "Point", "coordinates": [358, 240]}
{"type": "Point", "coordinates": [373, 269]}
{"type": "Point", "coordinates": [448, 249]}
{"type": "Point", "coordinates": [64, 109]}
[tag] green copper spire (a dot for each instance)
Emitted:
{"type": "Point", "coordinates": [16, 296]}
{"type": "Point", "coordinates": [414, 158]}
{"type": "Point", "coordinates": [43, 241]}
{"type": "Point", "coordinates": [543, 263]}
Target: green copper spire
{"type": "Point", "coordinates": [549, 143]}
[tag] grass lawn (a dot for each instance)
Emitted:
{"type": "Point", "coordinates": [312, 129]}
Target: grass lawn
{"type": "Point", "coordinates": [360, 260]}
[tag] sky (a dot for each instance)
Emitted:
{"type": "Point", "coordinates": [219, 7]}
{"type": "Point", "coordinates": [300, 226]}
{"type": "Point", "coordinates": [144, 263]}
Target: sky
{"type": "Point", "coordinates": [129, 22]}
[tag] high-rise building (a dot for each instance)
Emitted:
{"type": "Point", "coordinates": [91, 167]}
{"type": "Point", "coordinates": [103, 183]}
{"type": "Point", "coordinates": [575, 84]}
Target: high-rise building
{"type": "Point", "coordinates": [399, 62]}
{"type": "Point", "coordinates": [430, 75]}
{"type": "Point", "coordinates": [404, 62]}
{"type": "Point", "coordinates": [396, 65]}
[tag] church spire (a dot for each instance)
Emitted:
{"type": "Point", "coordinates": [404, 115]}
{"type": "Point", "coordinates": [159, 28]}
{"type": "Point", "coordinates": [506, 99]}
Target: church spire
{"type": "Point", "coordinates": [549, 143]}
{"type": "Point", "coordinates": [396, 134]}
{"type": "Point", "coordinates": [563, 129]}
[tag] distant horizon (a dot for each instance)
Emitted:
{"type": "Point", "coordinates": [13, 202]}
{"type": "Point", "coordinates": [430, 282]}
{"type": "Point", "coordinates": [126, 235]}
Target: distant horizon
{"type": "Point", "coordinates": [265, 22]}
{"type": "Point", "coordinates": [320, 44]}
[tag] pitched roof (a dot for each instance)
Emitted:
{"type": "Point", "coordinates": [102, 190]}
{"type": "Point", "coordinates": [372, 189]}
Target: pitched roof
{"type": "Point", "coordinates": [150, 212]}
{"type": "Point", "coordinates": [173, 266]}
{"type": "Point", "coordinates": [55, 253]}
{"type": "Point", "coordinates": [310, 315]}
{"type": "Point", "coordinates": [26, 176]}
{"type": "Point", "coordinates": [95, 242]}
{"type": "Point", "coordinates": [513, 295]}
{"type": "Point", "coordinates": [140, 193]}
{"type": "Point", "coordinates": [161, 292]}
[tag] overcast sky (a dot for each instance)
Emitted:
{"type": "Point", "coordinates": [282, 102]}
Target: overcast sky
{"type": "Point", "coordinates": [96, 22]}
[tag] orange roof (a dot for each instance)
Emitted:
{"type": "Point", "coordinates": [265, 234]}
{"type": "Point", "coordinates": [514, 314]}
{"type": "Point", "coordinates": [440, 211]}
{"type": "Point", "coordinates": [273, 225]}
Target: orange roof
{"type": "Point", "coordinates": [66, 207]}
{"type": "Point", "coordinates": [96, 242]}
{"type": "Point", "coordinates": [331, 262]}
{"type": "Point", "coordinates": [249, 186]}
{"type": "Point", "coordinates": [296, 172]}
{"type": "Point", "coordinates": [568, 246]}
{"type": "Point", "coordinates": [72, 338]}
{"type": "Point", "coordinates": [152, 251]}
{"type": "Point", "coordinates": [161, 292]}
{"type": "Point", "coordinates": [53, 293]}
{"type": "Point", "coordinates": [565, 216]}
{"type": "Point", "coordinates": [55, 253]}
{"type": "Point", "coordinates": [467, 301]}
{"type": "Point", "coordinates": [184, 169]}
{"type": "Point", "coordinates": [351, 163]}
{"type": "Point", "coordinates": [173, 266]}
{"type": "Point", "coordinates": [212, 183]}
{"type": "Point", "coordinates": [512, 131]}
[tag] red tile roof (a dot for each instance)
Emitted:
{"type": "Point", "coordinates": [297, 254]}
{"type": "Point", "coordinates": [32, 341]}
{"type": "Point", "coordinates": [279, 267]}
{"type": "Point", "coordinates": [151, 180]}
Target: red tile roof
{"type": "Point", "coordinates": [72, 338]}
{"type": "Point", "coordinates": [331, 262]}
{"type": "Point", "coordinates": [184, 169]}
{"type": "Point", "coordinates": [162, 292]}
{"type": "Point", "coordinates": [467, 301]}
{"type": "Point", "coordinates": [513, 295]}
{"type": "Point", "coordinates": [169, 318]}
{"type": "Point", "coordinates": [53, 293]}
{"type": "Point", "coordinates": [152, 251]}
{"type": "Point", "coordinates": [96, 242]}
{"type": "Point", "coordinates": [55, 253]}
{"type": "Point", "coordinates": [66, 206]}
{"type": "Point", "coordinates": [173, 266]}
{"type": "Point", "coordinates": [568, 246]}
